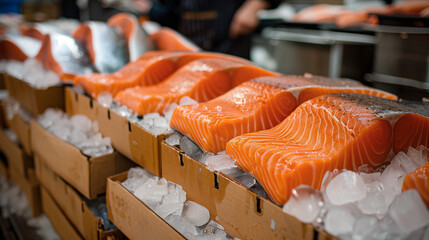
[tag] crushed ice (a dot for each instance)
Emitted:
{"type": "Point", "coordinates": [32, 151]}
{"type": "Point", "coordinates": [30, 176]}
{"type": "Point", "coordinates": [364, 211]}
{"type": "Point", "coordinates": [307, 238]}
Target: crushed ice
{"type": "Point", "coordinates": [78, 130]}
{"type": "Point", "coordinates": [99, 208]}
{"type": "Point", "coordinates": [14, 202]}
{"type": "Point", "coordinates": [366, 205]}
{"type": "Point", "coordinates": [168, 200]}
{"type": "Point", "coordinates": [32, 72]}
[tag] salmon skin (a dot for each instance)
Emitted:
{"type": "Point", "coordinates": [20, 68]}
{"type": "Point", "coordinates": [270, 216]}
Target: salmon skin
{"type": "Point", "coordinates": [201, 80]}
{"type": "Point", "coordinates": [170, 40]}
{"type": "Point", "coordinates": [419, 180]}
{"type": "Point", "coordinates": [256, 105]}
{"type": "Point", "coordinates": [149, 69]}
{"type": "Point", "coordinates": [64, 56]}
{"type": "Point", "coordinates": [106, 48]}
{"type": "Point", "coordinates": [138, 42]}
{"type": "Point", "coordinates": [40, 30]}
{"type": "Point", "coordinates": [19, 48]}
{"type": "Point", "coordinates": [336, 131]}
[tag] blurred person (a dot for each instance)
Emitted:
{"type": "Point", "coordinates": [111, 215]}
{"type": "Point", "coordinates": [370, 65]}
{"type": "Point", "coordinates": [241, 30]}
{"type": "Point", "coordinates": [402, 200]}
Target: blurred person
{"type": "Point", "coordinates": [222, 26]}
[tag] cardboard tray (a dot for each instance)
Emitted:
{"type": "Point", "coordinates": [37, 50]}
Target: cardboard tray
{"type": "Point", "coordinates": [59, 221]}
{"type": "Point", "coordinates": [132, 216]}
{"type": "Point", "coordinates": [240, 211]}
{"type": "Point", "coordinates": [21, 129]}
{"type": "Point", "coordinates": [32, 99]}
{"type": "Point", "coordinates": [87, 174]}
{"type": "Point", "coordinates": [31, 188]}
{"type": "Point", "coordinates": [72, 204]}
{"type": "Point", "coordinates": [16, 157]}
{"type": "Point", "coordinates": [128, 138]}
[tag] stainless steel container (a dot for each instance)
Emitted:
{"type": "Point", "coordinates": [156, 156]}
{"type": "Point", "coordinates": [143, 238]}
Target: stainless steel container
{"type": "Point", "coordinates": [322, 52]}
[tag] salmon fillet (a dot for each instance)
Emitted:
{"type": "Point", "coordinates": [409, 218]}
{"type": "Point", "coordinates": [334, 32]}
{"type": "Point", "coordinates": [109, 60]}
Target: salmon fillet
{"type": "Point", "coordinates": [19, 48]}
{"type": "Point", "coordinates": [138, 42]}
{"type": "Point", "coordinates": [254, 106]}
{"type": "Point", "coordinates": [337, 131]}
{"type": "Point", "coordinates": [201, 80]}
{"type": "Point", "coordinates": [151, 68]}
{"type": "Point", "coordinates": [61, 54]}
{"type": "Point", "coordinates": [170, 40]}
{"type": "Point", "coordinates": [419, 180]}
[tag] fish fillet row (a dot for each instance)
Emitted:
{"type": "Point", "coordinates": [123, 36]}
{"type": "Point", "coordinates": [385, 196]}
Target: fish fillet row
{"type": "Point", "coordinates": [336, 131]}
{"type": "Point", "coordinates": [151, 68]}
{"type": "Point", "coordinates": [202, 80]}
{"type": "Point", "coordinates": [256, 105]}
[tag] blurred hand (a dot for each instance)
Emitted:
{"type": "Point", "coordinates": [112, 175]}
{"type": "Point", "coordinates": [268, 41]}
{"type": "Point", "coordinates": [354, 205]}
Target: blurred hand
{"type": "Point", "coordinates": [246, 19]}
{"type": "Point", "coordinates": [142, 5]}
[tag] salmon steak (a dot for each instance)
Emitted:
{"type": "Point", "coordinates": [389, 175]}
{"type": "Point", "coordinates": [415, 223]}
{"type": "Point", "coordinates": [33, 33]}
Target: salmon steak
{"type": "Point", "coordinates": [138, 42]}
{"type": "Point", "coordinates": [106, 48]}
{"type": "Point", "coordinates": [19, 48]}
{"type": "Point", "coordinates": [170, 40]}
{"type": "Point", "coordinates": [64, 56]}
{"type": "Point", "coordinates": [202, 80]}
{"type": "Point", "coordinates": [336, 131]}
{"type": "Point", "coordinates": [419, 180]}
{"type": "Point", "coordinates": [151, 68]}
{"type": "Point", "coordinates": [256, 105]}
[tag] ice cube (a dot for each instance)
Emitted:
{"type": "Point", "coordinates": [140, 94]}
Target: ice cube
{"type": "Point", "coordinates": [172, 203]}
{"type": "Point", "coordinates": [174, 139]}
{"type": "Point", "coordinates": [181, 224]}
{"type": "Point", "coordinates": [50, 79]}
{"type": "Point", "coordinates": [81, 122]}
{"type": "Point", "coordinates": [77, 136]}
{"type": "Point", "coordinates": [49, 117]}
{"type": "Point", "coordinates": [392, 179]}
{"type": "Point", "coordinates": [220, 162]}
{"type": "Point", "coordinates": [190, 148]}
{"type": "Point", "coordinates": [327, 178]}
{"type": "Point", "coordinates": [346, 187]}
{"type": "Point", "coordinates": [214, 228]}
{"type": "Point", "coordinates": [409, 212]}
{"type": "Point", "coordinates": [168, 111]}
{"type": "Point", "coordinates": [138, 172]}
{"type": "Point", "coordinates": [187, 101]}
{"type": "Point", "coordinates": [418, 155]}
{"type": "Point", "coordinates": [105, 99]}
{"type": "Point", "coordinates": [246, 179]}
{"type": "Point", "coordinates": [195, 213]}
{"type": "Point", "coordinates": [373, 203]}
{"type": "Point", "coordinates": [363, 227]}
{"type": "Point", "coordinates": [305, 203]}
{"type": "Point", "coordinates": [124, 111]}
{"type": "Point", "coordinates": [339, 221]}
{"type": "Point", "coordinates": [204, 157]}
{"type": "Point", "coordinates": [133, 183]}
{"type": "Point", "coordinates": [152, 192]}
{"type": "Point", "coordinates": [387, 229]}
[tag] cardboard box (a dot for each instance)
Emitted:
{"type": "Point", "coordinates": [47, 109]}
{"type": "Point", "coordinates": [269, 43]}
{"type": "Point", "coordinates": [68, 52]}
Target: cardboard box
{"type": "Point", "coordinates": [2, 81]}
{"type": "Point", "coordinates": [61, 224]}
{"type": "Point", "coordinates": [132, 216]}
{"type": "Point", "coordinates": [87, 174]}
{"type": "Point", "coordinates": [127, 138]}
{"type": "Point", "coordinates": [3, 167]}
{"type": "Point", "coordinates": [32, 99]}
{"type": "Point", "coordinates": [16, 157]}
{"type": "Point", "coordinates": [72, 204]}
{"type": "Point", "coordinates": [241, 212]}
{"type": "Point", "coordinates": [21, 129]}
{"type": "Point", "coordinates": [31, 188]}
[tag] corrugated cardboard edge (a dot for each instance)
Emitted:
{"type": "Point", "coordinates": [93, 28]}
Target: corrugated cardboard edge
{"type": "Point", "coordinates": [16, 157]}
{"type": "Point", "coordinates": [127, 138]}
{"type": "Point", "coordinates": [34, 100]}
{"type": "Point", "coordinates": [132, 216]}
{"type": "Point", "coordinates": [87, 175]}
{"type": "Point", "coordinates": [21, 129]}
{"type": "Point", "coordinates": [60, 222]}
{"type": "Point", "coordinates": [241, 212]}
{"type": "Point", "coordinates": [31, 189]}
{"type": "Point", "coordinates": [70, 202]}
